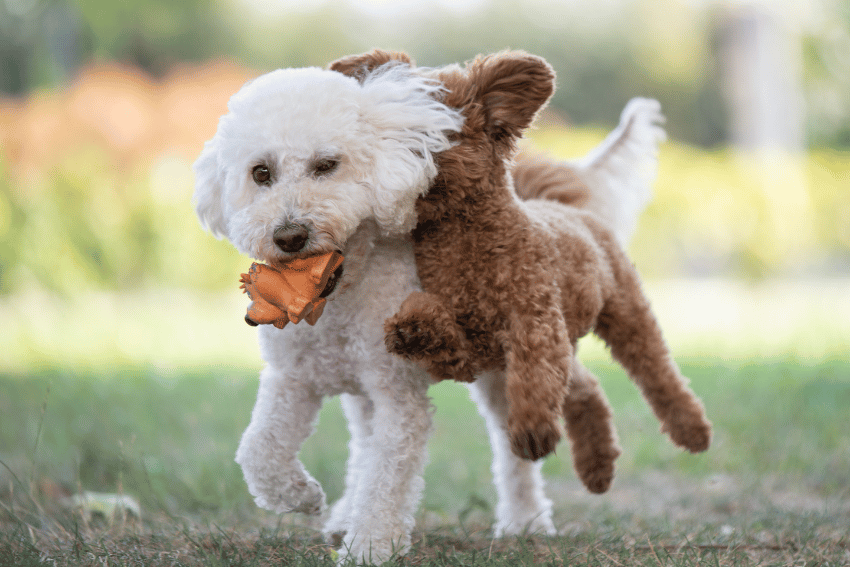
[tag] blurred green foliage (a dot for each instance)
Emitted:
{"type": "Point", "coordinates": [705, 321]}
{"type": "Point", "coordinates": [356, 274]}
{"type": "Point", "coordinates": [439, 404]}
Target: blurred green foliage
{"type": "Point", "coordinates": [88, 225]}
{"type": "Point", "coordinates": [108, 205]}
{"type": "Point", "coordinates": [723, 212]}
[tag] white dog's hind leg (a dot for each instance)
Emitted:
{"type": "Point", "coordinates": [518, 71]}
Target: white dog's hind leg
{"type": "Point", "coordinates": [283, 417]}
{"type": "Point", "coordinates": [390, 472]}
{"type": "Point", "coordinates": [522, 506]}
{"type": "Point", "coordinates": [358, 411]}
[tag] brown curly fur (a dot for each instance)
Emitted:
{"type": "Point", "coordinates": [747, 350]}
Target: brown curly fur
{"type": "Point", "coordinates": [538, 177]}
{"type": "Point", "coordinates": [510, 284]}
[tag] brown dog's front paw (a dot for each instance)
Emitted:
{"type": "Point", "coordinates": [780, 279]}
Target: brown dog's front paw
{"type": "Point", "coordinates": [411, 339]}
{"type": "Point", "coordinates": [535, 443]}
{"type": "Point", "coordinates": [426, 331]}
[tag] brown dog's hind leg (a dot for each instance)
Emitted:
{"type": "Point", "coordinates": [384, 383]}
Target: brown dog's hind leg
{"type": "Point", "coordinates": [590, 426]}
{"type": "Point", "coordinates": [630, 329]}
{"type": "Point", "coordinates": [426, 330]}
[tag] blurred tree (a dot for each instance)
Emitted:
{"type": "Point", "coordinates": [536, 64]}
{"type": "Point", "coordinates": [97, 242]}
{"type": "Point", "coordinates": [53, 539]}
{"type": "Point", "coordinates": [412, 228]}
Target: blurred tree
{"type": "Point", "coordinates": [601, 57]}
{"type": "Point", "coordinates": [605, 51]}
{"type": "Point", "coordinates": [156, 34]}
{"type": "Point", "coordinates": [18, 33]}
{"type": "Point", "coordinates": [826, 60]}
{"type": "Point", "coordinates": [293, 37]}
{"type": "Point", "coordinates": [42, 42]}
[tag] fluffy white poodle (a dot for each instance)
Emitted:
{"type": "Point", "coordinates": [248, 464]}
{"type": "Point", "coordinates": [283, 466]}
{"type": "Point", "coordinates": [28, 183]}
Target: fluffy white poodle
{"type": "Point", "coordinates": [308, 161]}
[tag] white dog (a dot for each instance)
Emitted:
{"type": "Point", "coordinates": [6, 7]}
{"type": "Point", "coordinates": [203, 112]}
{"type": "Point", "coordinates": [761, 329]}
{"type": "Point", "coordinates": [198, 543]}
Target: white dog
{"type": "Point", "coordinates": [308, 161]}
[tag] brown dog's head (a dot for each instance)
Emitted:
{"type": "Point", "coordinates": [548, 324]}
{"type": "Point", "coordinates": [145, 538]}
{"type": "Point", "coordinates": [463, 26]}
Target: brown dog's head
{"type": "Point", "coordinates": [498, 94]}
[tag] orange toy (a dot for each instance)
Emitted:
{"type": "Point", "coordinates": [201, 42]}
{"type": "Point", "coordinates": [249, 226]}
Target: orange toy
{"type": "Point", "coordinates": [291, 293]}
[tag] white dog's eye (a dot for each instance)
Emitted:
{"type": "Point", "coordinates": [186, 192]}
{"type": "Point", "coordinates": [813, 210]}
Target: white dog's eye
{"type": "Point", "coordinates": [325, 166]}
{"type": "Point", "coordinates": [261, 175]}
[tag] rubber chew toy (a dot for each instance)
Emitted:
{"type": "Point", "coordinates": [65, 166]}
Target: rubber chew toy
{"type": "Point", "coordinates": [291, 293]}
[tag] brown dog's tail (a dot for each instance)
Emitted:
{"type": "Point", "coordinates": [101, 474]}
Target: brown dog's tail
{"type": "Point", "coordinates": [614, 181]}
{"type": "Point", "coordinates": [541, 177]}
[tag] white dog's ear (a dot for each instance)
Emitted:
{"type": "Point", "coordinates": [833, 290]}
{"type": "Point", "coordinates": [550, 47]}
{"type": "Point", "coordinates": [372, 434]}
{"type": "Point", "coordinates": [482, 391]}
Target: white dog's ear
{"type": "Point", "coordinates": [411, 123]}
{"type": "Point", "coordinates": [209, 191]}
{"type": "Point", "coordinates": [359, 66]}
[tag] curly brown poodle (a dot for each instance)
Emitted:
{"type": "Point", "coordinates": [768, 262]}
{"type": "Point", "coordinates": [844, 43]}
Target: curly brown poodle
{"type": "Point", "coordinates": [512, 285]}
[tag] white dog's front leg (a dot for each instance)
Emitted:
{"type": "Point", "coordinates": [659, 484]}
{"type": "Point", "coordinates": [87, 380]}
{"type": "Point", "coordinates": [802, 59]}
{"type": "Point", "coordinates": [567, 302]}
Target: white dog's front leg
{"type": "Point", "coordinates": [389, 484]}
{"type": "Point", "coordinates": [358, 411]}
{"type": "Point", "coordinates": [283, 417]}
{"type": "Point", "coordinates": [522, 505]}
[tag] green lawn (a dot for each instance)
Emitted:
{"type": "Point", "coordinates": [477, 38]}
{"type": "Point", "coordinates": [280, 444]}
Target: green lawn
{"type": "Point", "coordinates": [779, 461]}
{"type": "Point", "coordinates": [149, 397]}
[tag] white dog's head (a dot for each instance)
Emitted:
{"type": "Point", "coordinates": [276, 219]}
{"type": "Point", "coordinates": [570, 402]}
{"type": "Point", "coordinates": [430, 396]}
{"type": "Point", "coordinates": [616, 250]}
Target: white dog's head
{"type": "Point", "coordinates": [304, 156]}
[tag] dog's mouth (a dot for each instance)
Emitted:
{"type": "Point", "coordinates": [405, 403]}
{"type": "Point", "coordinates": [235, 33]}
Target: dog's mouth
{"type": "Point", "coordinates": [332, 281]}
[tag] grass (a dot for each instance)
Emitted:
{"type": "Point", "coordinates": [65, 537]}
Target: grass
{"type": "Point", "coordinates": [606, 546]}
{"type": "Point", "coordinates": [771, 491]}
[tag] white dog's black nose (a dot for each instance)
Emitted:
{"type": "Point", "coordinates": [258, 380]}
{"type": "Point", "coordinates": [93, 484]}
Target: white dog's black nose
{"type": "Point", "coordinates": [290, 237]}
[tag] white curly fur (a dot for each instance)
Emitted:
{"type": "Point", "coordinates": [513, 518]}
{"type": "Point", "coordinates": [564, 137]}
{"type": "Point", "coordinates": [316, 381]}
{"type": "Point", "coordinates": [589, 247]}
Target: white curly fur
{"type": "Point", "coordinates": [622, 168]}
{"type": "Point", "coordinates": [384, 132]}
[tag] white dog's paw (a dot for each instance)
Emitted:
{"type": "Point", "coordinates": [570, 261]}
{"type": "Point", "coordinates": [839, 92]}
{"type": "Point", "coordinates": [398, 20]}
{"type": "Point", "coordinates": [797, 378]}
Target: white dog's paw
{"type": "Point", "coordinates": [305, 496]}
{"type": "Point", "coordinates": [278, 484]}
{"type": "Point", "coordinates": [338, 522]}
{"type": "Point", "coordinates": [283, 491]}
{"type": "Point", "coordinates": [540, 525]}
{"type": "Point", "coordinates": [366, 551]}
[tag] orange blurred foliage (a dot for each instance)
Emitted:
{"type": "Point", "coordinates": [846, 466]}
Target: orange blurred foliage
{"type": "Point", "coordinates": [121, 110]}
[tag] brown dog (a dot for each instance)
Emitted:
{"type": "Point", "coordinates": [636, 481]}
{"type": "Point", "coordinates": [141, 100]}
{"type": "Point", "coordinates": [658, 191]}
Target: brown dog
{"type": "Point", "coordinates": [512, 285]}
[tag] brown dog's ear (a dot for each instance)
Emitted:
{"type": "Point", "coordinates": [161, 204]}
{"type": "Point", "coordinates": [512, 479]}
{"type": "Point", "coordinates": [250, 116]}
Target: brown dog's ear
{"type": "Point", "coordinates": [358, 66]}
{"type": "Point", "coordinates": [512, 86]}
